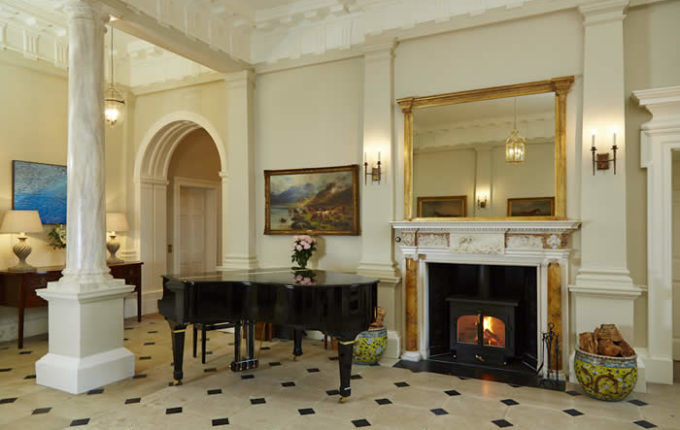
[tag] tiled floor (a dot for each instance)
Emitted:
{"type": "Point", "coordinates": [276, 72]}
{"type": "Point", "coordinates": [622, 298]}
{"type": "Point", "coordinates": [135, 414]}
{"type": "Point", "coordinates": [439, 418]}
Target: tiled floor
{"type": "Point", "coordinates": [287, 394]}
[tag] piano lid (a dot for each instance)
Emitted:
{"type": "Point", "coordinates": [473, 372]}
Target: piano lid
{"type": "Point", "coordinates": [280, 275]}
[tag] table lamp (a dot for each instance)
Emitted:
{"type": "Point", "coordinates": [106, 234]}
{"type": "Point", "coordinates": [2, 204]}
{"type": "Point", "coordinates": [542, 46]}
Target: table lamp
{"type": "Point", "coordinates": [115, 222]}
{"type": "Point", "coordinates": [21, 222]}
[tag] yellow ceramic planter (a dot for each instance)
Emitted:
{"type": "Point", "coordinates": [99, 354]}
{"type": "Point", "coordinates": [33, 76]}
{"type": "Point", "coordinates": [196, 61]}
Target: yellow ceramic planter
{"type": "Point", "coordinates": [606, 378]}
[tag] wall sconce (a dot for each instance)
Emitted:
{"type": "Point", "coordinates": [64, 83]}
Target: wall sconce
{"type": "Point", "coordinates": [482, 200]}
{"type": "Point", "coordinates": [601, 160]}
{"type": "Point", "coordinates": [374, 172]}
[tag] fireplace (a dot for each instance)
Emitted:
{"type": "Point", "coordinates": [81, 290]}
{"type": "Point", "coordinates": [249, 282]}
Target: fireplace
{"type": "Point", "coordinates": [483, 316]}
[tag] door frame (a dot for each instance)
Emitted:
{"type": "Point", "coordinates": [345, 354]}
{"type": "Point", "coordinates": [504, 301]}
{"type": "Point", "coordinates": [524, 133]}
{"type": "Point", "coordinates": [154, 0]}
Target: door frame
{"type": "Point", "coordinates": [212, 195]}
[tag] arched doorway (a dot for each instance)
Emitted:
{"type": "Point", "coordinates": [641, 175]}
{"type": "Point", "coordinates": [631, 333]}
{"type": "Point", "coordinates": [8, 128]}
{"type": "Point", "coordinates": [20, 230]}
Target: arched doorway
{"type": "Point", "coordinates": [150, 233]}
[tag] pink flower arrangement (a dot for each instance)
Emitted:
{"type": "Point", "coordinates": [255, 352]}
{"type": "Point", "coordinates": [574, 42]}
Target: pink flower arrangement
{"type": "Point", "coordinates": [303, 247]}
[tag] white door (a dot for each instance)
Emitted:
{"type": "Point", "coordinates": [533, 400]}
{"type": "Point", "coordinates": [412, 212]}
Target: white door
{"type": "Point", "coordinates": [192, 227]}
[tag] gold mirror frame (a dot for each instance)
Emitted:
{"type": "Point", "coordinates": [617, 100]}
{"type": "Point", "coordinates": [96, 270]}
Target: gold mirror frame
{"type": "Point", "coordinates": [560, 86]}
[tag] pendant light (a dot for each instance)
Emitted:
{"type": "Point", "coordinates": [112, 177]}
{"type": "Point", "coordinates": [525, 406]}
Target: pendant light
{"type": "Point", "coordinates": [515, 144]}
{"type": "Point", "coordinates": [114, 103]}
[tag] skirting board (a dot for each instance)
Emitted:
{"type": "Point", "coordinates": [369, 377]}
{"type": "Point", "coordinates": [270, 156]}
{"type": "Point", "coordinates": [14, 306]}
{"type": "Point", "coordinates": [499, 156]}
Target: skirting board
{"type": "Point", "coordinates": [676, 349]}
{"type": "Point", "coordinates": [35, 323]}
{"type": "Point", "coordinates": [149, 303]}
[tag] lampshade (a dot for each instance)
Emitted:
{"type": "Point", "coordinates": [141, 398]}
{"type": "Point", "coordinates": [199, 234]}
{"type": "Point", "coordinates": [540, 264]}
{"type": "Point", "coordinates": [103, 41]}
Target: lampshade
{"type": "Point", "coordinates": [21, 222]}
{"type": "Point", "coordinates": [116, 221]}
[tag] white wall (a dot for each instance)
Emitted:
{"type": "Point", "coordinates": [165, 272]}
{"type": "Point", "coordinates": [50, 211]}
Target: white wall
{"type": "Point", "coordinates": [444, 173]}
{"type": "Point", "coordinates": [676, 256]}
{"type": "Point", "coordinates": [308, 117]}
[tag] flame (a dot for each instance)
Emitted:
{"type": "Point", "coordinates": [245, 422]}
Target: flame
{"type": "Point", "coordinates": [487, 323]}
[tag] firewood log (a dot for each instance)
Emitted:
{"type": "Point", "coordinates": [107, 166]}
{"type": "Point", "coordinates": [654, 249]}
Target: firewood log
{"type": "Point", "coordinates": [626, 349]}
{"type": "Point", "coordinates": [587, 342]}
{"type": "Point", "coordinates": [607, 347]}
{"type": "Point", "coordinates": [610, 332]}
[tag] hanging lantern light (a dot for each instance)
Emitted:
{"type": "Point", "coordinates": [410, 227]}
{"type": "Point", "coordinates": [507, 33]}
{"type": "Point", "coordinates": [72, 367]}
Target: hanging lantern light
{"type": "Point", "coordinates": [114, 102]}
{"type": "Point", "coordinates": [515, 144]}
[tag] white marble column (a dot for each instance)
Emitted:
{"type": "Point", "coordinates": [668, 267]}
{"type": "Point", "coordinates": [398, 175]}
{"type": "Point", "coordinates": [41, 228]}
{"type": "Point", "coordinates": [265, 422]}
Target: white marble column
{"type": "Point", "coordinates": [238, 179]}
{"type": "Point", "coordinates": [86, 305]}
{"type": "Point", "coordinates": [604, 291]}
{"type": "Point", "coordinates": [377, 199]}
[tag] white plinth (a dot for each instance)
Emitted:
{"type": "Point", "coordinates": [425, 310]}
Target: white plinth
{"type": "Point", "coordinates": [411, 356]}
{"type": "Point", "coordinates": [85, 336]}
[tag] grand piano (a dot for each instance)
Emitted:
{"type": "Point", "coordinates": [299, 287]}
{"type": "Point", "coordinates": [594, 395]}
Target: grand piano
{"type": "Point", "coordinates": [338, 304]}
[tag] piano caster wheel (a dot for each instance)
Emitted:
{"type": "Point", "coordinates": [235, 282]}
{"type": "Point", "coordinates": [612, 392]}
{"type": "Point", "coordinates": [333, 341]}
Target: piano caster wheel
{"type": "Point", "coordinates": [344, 399]}
{"type": "Point", "coordinates": [175, 383]}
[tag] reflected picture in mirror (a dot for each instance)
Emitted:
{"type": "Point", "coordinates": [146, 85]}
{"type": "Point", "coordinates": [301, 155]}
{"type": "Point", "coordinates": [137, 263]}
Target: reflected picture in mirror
{"type": "Point", "coordinates": [541, 206]}
{"type": "Point", "coordinates": [442, 207]}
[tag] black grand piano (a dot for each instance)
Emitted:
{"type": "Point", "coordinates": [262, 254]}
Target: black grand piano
{"type": "Point", "coordinates": [338, 304]}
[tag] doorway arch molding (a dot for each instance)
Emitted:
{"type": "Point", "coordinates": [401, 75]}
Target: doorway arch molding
{"type": "Point", "coordinates": [152, 160]}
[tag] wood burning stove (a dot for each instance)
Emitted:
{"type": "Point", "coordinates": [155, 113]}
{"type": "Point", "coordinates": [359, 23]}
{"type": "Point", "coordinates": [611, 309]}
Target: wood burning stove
{"type": "Point", "coordinates": [482, 331]}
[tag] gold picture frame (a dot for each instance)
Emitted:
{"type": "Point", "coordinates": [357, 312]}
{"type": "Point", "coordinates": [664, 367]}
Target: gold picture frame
{"type": "Point", "coordinates": [531, 207]}
{"type": "Point", "coordinates": [442, 207]}
{"type": "Point", "coordinates": [318, 201]}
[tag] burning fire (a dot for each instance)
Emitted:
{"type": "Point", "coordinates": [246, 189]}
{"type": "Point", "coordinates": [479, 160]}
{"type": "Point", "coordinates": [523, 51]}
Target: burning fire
{"type": "Point", "coordinates": [494, 332]}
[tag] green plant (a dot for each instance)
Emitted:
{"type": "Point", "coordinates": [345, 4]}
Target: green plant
{"type": "Point", "coordinates": [57, 236]}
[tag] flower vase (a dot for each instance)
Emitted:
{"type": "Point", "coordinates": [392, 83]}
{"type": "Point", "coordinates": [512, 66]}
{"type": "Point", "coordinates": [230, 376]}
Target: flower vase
{"type": "Point", "coordinates": [369, 346]}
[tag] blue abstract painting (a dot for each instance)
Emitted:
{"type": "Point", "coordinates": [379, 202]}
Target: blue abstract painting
{"type": "Point", "coordinates": [40, 187]}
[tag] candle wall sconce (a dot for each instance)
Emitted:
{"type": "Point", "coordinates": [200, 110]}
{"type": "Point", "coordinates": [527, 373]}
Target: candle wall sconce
{"type": "Point", "coordinates": [482, 200]}
{"type": "Point", "coordinates": [601, 160]}
{"type": "Point", "coordinates": [373, 172]}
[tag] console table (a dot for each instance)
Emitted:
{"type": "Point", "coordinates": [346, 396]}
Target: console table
{"type": "Point", "coordinates": [18, 289]}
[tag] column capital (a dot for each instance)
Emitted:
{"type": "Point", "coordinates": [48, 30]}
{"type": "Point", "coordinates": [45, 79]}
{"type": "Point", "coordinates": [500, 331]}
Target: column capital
{"type": "Point", "coordinates": [86, 9]}
{"type": "Point", "coordinates": [598, 12]}
{"type": "Point", "coordinates": [379, 50]}
{"type": "Point", "coordinates": [240, 79]}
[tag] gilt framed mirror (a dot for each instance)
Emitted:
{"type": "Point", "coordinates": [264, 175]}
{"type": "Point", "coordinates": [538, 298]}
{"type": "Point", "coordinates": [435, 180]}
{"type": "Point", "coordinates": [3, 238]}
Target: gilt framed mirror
{"type": "Point", "coordinates": [492, 146]}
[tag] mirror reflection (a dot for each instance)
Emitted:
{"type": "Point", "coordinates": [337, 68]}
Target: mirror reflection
{"type": "Point", "coordinates": [490, 158]}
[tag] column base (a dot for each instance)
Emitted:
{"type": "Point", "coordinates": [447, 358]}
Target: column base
{"type": "Point", "coordinates": [234, 262]}
{"type": "Point", "coordinates": [85, 335]}
{"type": "Point", "coordinates": [411, 356]}
{"type": "Point", "coordinates": [393, 344]}
{"type": "Point", "coordinates": [659, 370]}
{"type": "Point", "coordinates": [79, 375]}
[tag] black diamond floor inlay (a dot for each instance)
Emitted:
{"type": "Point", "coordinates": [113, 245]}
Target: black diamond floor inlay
{"type": "Point", "coordinates": [139, 376]}
{"type": "Point", "coordinates": [146, 357]}
{"type": "Point", "coordinates": [502, 423]}
{"type": "Point", "coordinates": [313, 370]}
{"type": "Point", "coordinates": [215, 391]}
{"type": "Point", "coordinates": [248, 376]}
{"type": "Point", "coordinates": [573, 393]}
{"type": "Point", "coordinates": [514, 385]}
{"type": "Point", "coordinates": [95, 391]}
{"type": "Point", "coordinates": [149, 343]}
{"type": "Point", "coordinates": [645, 424]}
{"type": "Point", "coordinates": [8, 400]}
{"type": "Point", "coordinates": [510, 402]}
{"type": "Point", "coordinates": [573, 412]}
{"type": "Point", "coordinates": [361, 423]}
{"type": "Point", "coordinates": [355, 377]}
{"type": "Point", "coordinates": [264, 348]}
{"type": "Point", "coordinates": [439, 411]}
{"type": "Point", "coordinates": [452, 392]}
{"type": "Point", "coordinates": [333, 358]}
{"type": "Point", "coordinates": [210, 369]}
{"type": "Point", "coordinates": [274, 363]}
{"type": "Point", "coordinates": [29, 377]}
{"type": "Point", "coordinates": [208, 353]}
{"type": "Point", "coordinates": [288, 384]}
{"type": "Point", "coordinates": [133, 400]}
{"type": "Point", "coordinates": [5, 369]}
{"type": "Point", "coordinates": [332, 392]}
{"type": "Point", "coordinates": [41, 411]}
{"type": "Point", "coordinates": [220, 422]}
{"type": "Point", "coordinates": [152, 331]}
{"type": "Point", "coordinates": [80, 422]}
{"type": "Point", "coordinates": [383, 401]}
{"type": "Point", "coordinates": [258, 401]}
{"type": "Point", "coordinates": [128, 328]}
{"type": "Point", "coordinates": [177, 410]}
{"type": "Point", "coordinates": [637, 402]}
{"type": "Point", "coordinates": [401, 384]}
{"type": "Point", "coordinates": [306, 411]}
{"type": "Point", "coordinates": [25, 352]}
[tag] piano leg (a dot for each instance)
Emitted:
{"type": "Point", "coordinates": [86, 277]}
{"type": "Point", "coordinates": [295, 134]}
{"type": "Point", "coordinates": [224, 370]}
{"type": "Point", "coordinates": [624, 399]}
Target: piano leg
{"type": "Point", "coordinates": [251, 340]}
{"type": "Point", "coordinates": [297, 343]}
{"type": "Point", "coordinates": [345, 349]}
{"type": "Point", "coordinates": [178, 331]}
{"type": "Point", "coordinates": [239, 364]}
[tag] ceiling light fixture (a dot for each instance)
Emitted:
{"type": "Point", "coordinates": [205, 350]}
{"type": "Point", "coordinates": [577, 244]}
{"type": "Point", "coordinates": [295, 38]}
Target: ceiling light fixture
{"type": "Point", "coordinates": [114, 103]}
{"type": "Point", "coordinates": [515, 144]}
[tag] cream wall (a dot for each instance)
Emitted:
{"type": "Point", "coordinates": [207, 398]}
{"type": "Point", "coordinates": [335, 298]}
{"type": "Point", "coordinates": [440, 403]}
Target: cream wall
{"type": "Point", "coordinates": [651, 60]}
{"type": "Point", "coordinates": [676, 255]}
{"type": "Point", "coordinates": [308, 117]}
{"type": "Point", "coordinates": [196, 157]}
{"type": "Point", "coordinates": [444, 173]}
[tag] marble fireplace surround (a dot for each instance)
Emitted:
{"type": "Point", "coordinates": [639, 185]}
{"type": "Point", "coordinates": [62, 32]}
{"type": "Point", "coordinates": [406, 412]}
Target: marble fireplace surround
{"type": "Point", "coordinates": [544, 245]}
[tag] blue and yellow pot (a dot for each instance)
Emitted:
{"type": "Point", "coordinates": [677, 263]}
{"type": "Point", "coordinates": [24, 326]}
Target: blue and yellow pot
{"type": "Point", "coordinates": [606, 378]}
{"type": "Point", "coordinates": [369, 346]}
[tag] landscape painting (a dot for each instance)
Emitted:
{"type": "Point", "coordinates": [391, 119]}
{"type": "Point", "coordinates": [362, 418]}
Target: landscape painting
{"type": "Point", "coordinates": [312, 201]}
{"type": "Point", "coordinates": [534, 206]}
{"type": "Point", "coordinates": [442, 207]}
{"type": "Point", "coordinates": [41, 187]}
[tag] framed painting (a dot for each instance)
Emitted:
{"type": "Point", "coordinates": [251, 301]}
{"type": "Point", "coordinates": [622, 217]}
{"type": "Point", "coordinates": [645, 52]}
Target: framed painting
{"type": "Point", "coordinates": [312, 201]}
{"type": "Point", "coordinates": [533, 206]}
{"type": "Point", "coordinates": [41, 187]}
{"type": "Point", "coordinates": [442, 206]}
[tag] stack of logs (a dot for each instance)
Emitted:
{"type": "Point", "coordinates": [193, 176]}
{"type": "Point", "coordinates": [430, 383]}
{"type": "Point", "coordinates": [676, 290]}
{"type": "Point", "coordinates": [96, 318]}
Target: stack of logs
{"type": "Point", "coordinates": [605, 340]}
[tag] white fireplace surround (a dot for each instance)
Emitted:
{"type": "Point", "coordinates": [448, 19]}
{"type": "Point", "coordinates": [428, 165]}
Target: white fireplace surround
{"type": "Point", "coordinates": [509, 243]}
